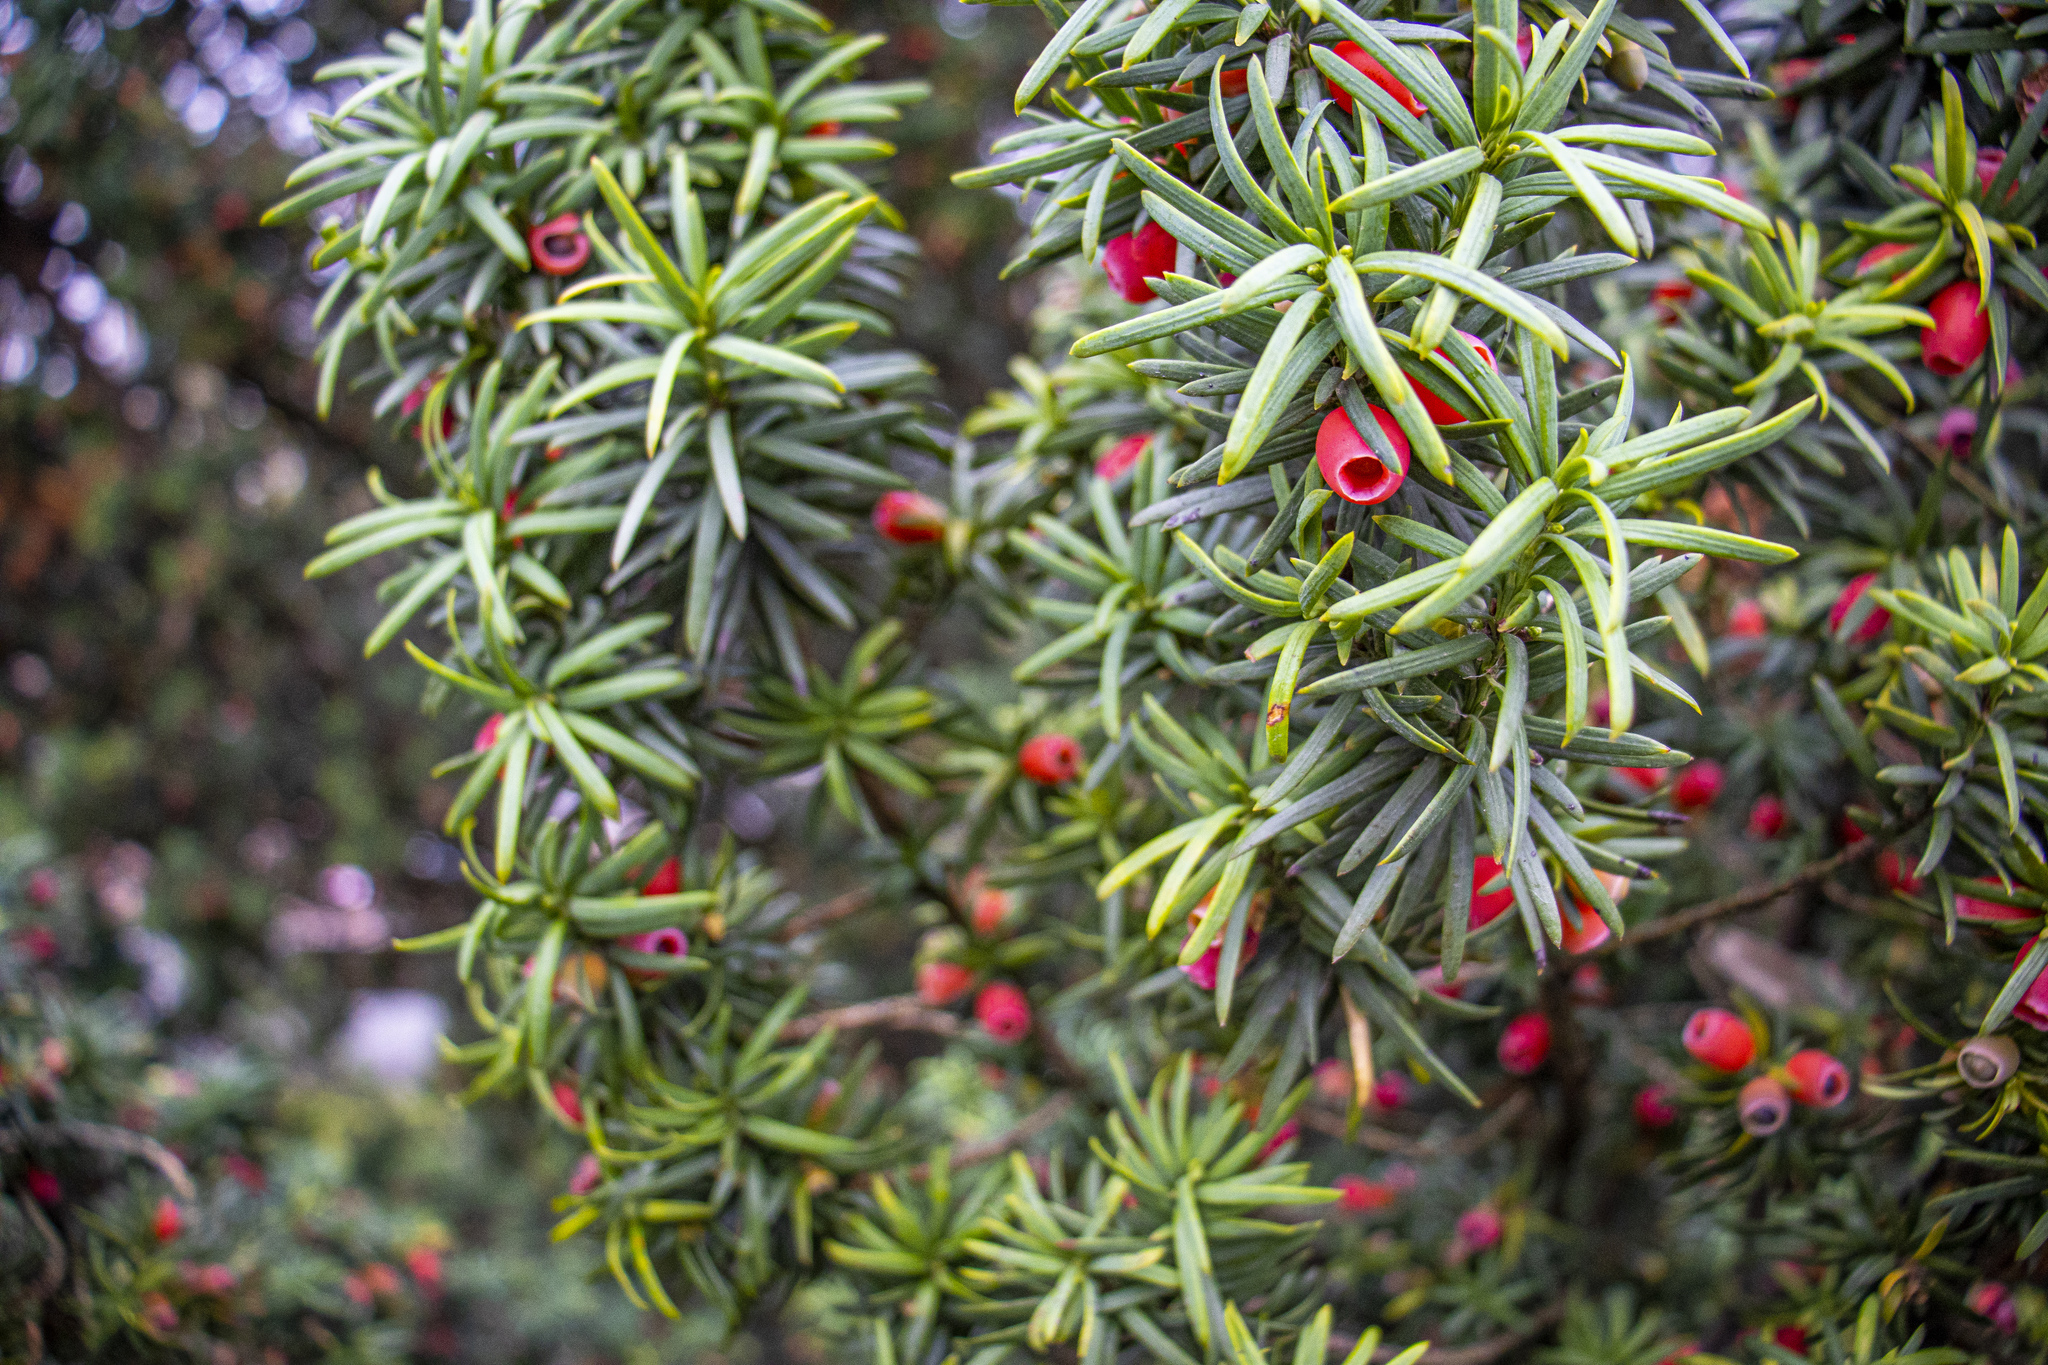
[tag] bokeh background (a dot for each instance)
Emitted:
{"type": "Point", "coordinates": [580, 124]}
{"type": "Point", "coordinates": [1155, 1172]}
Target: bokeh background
{"type": "Point", "coordinates": [224, 807]}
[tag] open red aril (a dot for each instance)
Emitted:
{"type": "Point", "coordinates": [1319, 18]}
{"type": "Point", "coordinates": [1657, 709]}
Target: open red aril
{"type": "Point", "coordinates": [1050, 759]}
{"type": "Point", "coordinates": [559, 246]}
{"type": "Point", "coordinates": [1719, 1039]}
{"type": "Point", "coordinates": [1819, 1081]}
{"type": "Point", "coordinates": [1351, 467]}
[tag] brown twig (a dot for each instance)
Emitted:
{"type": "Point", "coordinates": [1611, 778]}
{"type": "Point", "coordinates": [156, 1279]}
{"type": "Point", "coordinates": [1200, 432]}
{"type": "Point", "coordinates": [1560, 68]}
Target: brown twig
{"type": "Point", "coordinates": [1394, 1144]}
{"type": "Point", "coordinates": [107, 1138]}
{"type": "Point", "coordinates": [1029, 1127]}
{"type": "Point", "coordinates": [831, 912]}
{"type": "Point", "coordinates": [895, 1011]}
{"type": "Point", "coordinates": [1744, 899]}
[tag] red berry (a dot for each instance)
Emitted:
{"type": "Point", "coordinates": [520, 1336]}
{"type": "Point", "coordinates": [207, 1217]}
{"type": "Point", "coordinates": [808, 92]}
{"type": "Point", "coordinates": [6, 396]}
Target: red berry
{"type": "Point", "coordinates": [425, 1264]}
{"type": "Point", "coordinates": [558, 246]}
{"type": "Point", "coordinates": [1134, 257]}
{"type": "Point", "coordinates": [568, 1101]}
{"type": "Point", "coordinates": [1351, 468]}
{"type": "Point", "coordinates": [1897, 874]}
{"type": "Point", "coordinates": [1389, 1090]}
{"type": "Point", "coordinates": [669, 942]}
{"type": "Point", "coordinates": [1698, 784]}
{"type": "Point", "coordinates": [1589, 933]}
{"type": "Point", "coordinates": [1978, 910]}
{"type": "Point", "coordinates": [1766, 818]}
{"type": "Point", "coordinates": [1524, 1043]}
{"type": "Point", "coordinates": [169, 1220]}
{"type": "Point", "coordinates": [1718, 1039]}
{"type": "Point", "coordinates": [1669, 297]}
{"type": "Point", "coordinates": [158, 1313]}
{"type": "Point", "coordinates": [1746, 620]}
{"type": "Point", "coordinates": [1356, 1194]}
{"type": "Point", "coordinates": [1648, 779]}
{"type": "Point", "coordinates": [42, 886]}
{"type": "Point", "coordinates": [1117, 461]}
{"type": "Point", "coordinates": [1050, 759]}
{"type": "Point", "coordinates": [1879, 254]}
{"type": "Point", "coordinates": [1655, 1108]}
{"type": "Point", "coordinates": [43, 1186]}
{"type": "Point", "coordinates": [1441, 412]}
{"type": "Point", "coordinates": [1369, 67]}
{"type": "Point", "coordinates": [245, 1172]}
{"type": "Point", "coordinates": [1819, 1081]}
{"type": "Point", "coordinates": [1003, 1011]}
{"type": "Point", "coordinates": [909, 518]}
{"type": "Point", "coordinates": [1479, 1228]}
{"type": "Point", "coordinates": [667, 879]}
{"type": "Point", "coordinates": [831, 127]}
{"type": "Point", "coordinates": [1202, 971]}
{"type": "Point", "coordinates": [1284, 1134]}
{"type": "Point", "coordinates": [587, 1176]}
{"type": "Point", "coordinates": [1333, 1080]}
{"type": "Point", "coordinates": [941, 983]}
{"type": "Point", "coordinates": [1960, 331]}
{"type": "Point", "coordinates": [1487, 905]}
{"type": "Point", "coordinates": [487, 734]}
{"type": "Point", "coordinates": [1994, 1301]}
{"type": "Point", "coordinates": [1762, 1107]}
{"type": "Point", "coordinates": [37, 944]}
{"type": "Point", "coordinates": [1958, 430]}
{"type": "Point", "coordinates": [1792, 1337]}
{"type": "Point", "coordinates": [1852, 592]}
{"type": "Point", "coordinates": [989, 910]}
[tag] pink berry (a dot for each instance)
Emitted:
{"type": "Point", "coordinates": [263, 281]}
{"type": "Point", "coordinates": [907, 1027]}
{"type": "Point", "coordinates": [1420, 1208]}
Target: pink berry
{"type": "Point", "coordinates": [1766, 818]}
{"type": "Point", "coordinates": [908, 518]}
{"type": "Point", "coordinates": [1002, 1010]}
{"type": "Point", "coordinates": [941, 983]}
{"type": "Point", "coordinates": [1698, 785]}
{"type": "Point", "coordinates": [1524, 1043]}
{"type": "Point", "coordinates": [1655, 1108]}
{"type": "Point", "coordinates": [1874, 625]}
{"type": "Point", "coordinates": [1122, 457]}
{"type": "Point", "coordinates": [1819, 1080]}
{"type": "Point", "coordinates": [1050, 759]}
{"type": "Point", "coordinates": [1719, 1039]}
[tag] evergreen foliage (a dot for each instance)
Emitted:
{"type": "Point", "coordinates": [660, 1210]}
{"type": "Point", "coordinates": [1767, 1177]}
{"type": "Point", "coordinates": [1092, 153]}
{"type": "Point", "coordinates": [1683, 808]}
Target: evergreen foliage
{"type": "Point", "coordinates": [1363, 724]}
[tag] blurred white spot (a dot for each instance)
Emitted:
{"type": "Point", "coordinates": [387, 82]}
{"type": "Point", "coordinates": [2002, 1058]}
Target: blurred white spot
{"type": "Point", "coordinates": [393, 1036]}
{"type": "Point", "coordinates": [30, 676]}
{"type": "Point", "coordinates": [82, 297]}
{"type": "Point", "coordinates": [347, 886]}
{"type": "Point", "coordinates": [162, 964]}
{"type": "Point", "coordinates": [17, 358]}
{"type": "Point", "coordinates": [960, 20]}
{"type": "Point", "coordinates": [73, 222]}
{"type": "Point", "coordinates": [204, 114]}
{"type": "Point", "coordinates": [60, 375]}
